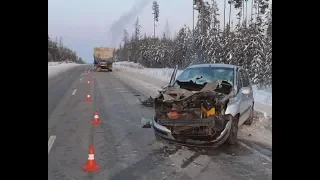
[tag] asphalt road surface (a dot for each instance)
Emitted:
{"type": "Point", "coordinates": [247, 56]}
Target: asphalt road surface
{"type": "Point", "coordinates": [123, 149]}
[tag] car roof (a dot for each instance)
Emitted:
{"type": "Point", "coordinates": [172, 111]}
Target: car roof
{"type": "Point", "coordinates": [213, 65]}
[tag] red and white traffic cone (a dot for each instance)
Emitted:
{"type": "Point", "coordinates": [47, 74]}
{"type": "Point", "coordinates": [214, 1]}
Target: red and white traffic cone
{"type": "Point", "coordinates": [88, 97]}
{"type": "Point", "coordinates": [96, 119]}
{"type": "Point", "coordinates": [91, 165]}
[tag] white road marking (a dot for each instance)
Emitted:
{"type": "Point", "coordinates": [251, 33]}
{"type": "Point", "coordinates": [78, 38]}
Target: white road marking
{"type": "Point", "coordinates": [255, 151]}
{"type": "Point", "coordinates": [80, 79]}
{"type": "Point", "coordinates": [123, 91]}
{"type": "Point", "coordinates": [74, 92]}
{"type": "Point", "coordinates": [50, 143]}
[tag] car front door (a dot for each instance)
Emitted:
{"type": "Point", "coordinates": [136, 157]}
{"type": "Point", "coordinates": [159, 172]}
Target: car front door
{"type": "Point", "coordinates": [240, 96]}
{"type": "Point", "coordinates": [245, 104]}
{"type": "Point", "coordinates": [249, 97]}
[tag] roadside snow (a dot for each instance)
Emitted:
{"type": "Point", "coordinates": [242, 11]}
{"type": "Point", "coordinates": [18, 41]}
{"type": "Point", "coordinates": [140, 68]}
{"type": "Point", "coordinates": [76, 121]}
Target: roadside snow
{"type": "Point", "coordinates": [259, 131]}
{"type": "Point", "coordinates": [160, 73]}
{"type": "Point", "coordinates": [55, 68]}
{"type": "Point", "coordinates": [263, 96]}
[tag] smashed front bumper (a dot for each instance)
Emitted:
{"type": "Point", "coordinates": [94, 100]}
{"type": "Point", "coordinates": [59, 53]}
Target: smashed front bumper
{"type": "Point", "coordinates": [164, 133]}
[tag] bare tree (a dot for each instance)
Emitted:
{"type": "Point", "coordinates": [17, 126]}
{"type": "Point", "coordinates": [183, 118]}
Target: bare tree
{"type": "Point", "coordinates": [125, 38]}
{"type": "Point", "coordinates": [224, 14]}
{"type": "Point", "coordinates": [155, 8]}
{"type": "Point", "coordinates": [243, 10]}
{"type": "Point", "coordinates": [167, 32]}
{"type": "Point", "coordinates": [230, 7]}
{"type": "Point", "coordinates": [252, 7]}
{"type": "Point", "coordinates": [137, 29]}
{"type": "Point", "coordinates": [246, 18]}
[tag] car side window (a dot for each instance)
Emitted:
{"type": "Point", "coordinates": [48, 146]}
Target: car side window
{"type": "Point", "coordinates": [245, 82]}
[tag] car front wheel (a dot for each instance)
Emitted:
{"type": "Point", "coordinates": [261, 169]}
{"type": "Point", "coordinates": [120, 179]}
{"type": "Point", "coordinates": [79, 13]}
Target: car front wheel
{"type": "Point", "coordinates": [232, 138]}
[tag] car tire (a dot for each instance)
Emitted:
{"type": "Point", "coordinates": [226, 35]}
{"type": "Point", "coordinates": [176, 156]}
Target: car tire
{"type": "Point", "coordinates": [233, 135]}
{"type": "Point", "coordinates": [250, 119]}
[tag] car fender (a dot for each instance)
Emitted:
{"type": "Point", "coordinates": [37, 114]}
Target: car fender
{"type": "Point", "coordinates": [233, 107]}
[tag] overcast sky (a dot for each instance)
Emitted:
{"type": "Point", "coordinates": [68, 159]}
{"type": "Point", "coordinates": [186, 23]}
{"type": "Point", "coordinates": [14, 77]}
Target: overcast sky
{"type": "Point", "coordinates": [84, 24]}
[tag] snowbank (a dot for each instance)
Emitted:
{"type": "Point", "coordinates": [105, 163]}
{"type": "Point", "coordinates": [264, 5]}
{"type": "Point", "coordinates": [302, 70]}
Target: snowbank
{"type": "Point", "coordinates": [55, 68]}
{"type": "Point", "coordinates": [263, 96]}
{"type": "Point", "coordinates": [160, 73]}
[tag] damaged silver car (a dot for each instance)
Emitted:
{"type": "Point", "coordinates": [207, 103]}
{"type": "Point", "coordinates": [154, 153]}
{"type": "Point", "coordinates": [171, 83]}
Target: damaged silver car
{"type": "Point", "coordinates": [204, 105]}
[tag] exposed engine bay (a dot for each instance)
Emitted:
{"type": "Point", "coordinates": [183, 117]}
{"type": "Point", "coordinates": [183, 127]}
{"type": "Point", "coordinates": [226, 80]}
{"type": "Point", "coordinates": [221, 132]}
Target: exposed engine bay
{"type": "Point", "coordinates": [194, 111]}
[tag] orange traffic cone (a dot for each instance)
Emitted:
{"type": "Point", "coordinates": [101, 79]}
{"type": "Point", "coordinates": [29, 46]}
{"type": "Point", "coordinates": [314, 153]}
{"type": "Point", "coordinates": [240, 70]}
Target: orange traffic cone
{"type": "Point", "coordinates": [91, 164]}
{"type": "Point", "coordinates": [96, 119]}
{"type": "Point", "coordinates": [88, 97]}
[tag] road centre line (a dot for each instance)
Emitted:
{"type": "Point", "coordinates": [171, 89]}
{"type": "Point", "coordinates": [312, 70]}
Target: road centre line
{"type": "Point", "coordinates": [74, 92]}
{"type": "Point", "coordinates": [50, 142]}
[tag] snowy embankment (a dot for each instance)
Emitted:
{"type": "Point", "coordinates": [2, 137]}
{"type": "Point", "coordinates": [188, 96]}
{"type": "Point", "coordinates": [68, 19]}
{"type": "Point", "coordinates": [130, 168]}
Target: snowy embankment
{"type": "Point", "coordinates": [262, 97]}
{"type": "Point", "coordinates": [55, 68]}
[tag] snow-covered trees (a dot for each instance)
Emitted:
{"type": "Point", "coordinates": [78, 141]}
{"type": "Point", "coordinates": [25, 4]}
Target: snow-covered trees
{"type": "Point", "coordinates": [247, 44]}
{"type": "Point", "coordinates": [59, 53]}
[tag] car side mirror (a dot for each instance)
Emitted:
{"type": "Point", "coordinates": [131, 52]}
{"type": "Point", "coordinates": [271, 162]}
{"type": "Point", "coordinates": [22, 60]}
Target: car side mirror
{"type": "Point", "coordinates": [245, 90]}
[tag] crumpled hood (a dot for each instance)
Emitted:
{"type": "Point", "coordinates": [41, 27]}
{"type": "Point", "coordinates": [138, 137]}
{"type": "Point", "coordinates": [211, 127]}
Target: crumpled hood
{"type": "Point", "coordinates": [179, 94]}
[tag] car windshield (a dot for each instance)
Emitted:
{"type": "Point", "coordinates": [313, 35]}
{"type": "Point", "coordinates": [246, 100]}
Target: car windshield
{"type": "Point", "coordinates": [201, 75]}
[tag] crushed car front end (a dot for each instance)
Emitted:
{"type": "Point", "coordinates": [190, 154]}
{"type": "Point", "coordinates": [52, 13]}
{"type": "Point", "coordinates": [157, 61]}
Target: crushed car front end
{"type": "Point", "coordinates": [193, 117]}
{"type": "Point", "coordinates": [220, 137]}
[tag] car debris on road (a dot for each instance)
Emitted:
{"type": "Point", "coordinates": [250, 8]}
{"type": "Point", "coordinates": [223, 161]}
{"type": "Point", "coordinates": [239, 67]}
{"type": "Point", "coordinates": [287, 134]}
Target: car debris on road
{"type": "Point", "coordinates": [148, 102]}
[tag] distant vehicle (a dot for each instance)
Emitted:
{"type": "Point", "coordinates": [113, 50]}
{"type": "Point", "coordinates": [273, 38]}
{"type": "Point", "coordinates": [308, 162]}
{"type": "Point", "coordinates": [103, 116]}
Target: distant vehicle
{"type": "Point", "coordinates": [103, 58]}
{"type": "Point", "coordinates": [205, 105]}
